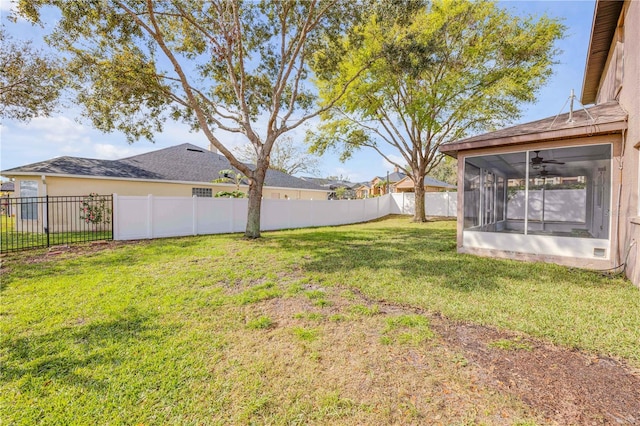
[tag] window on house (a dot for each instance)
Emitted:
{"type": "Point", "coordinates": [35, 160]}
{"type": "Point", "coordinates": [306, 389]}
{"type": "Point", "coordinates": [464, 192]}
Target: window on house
{"type": "Point", "coordinates": [557, 192]}
{"type": "Point", "coordinates": [202, 192]}
{"type": "Point", "coordinates": [28, 202]}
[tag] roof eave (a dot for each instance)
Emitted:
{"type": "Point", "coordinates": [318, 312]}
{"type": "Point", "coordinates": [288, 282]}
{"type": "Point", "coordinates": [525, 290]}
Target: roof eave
{"type": "Point", "coordinates": [603, 26]}
{"type": "Point", "coordinates": [576, 132]}
{"type": "Point", "coordinates": [182, 182]}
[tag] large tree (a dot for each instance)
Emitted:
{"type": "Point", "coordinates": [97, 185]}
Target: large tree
{"type": "Point", "coordinates": [31, 81]}
{"type": "Point", "coordinates": [448, 68]}
{"type": "Point", "coordinates": [223, 66]}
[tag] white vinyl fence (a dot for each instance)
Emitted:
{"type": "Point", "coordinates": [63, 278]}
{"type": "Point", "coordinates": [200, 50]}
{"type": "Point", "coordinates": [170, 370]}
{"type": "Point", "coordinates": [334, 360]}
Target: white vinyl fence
{"type": "Point", "coordinates": [435, 203]}
{"type": "Point", "coordinates": [157, 217]}
{"type": "Point", "coordinates": [550, 204]}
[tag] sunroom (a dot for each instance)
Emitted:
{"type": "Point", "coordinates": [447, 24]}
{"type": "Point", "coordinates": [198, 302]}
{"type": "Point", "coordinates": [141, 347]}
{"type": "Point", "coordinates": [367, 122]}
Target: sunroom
{"type": "Point", "coordinates": [544, 190]}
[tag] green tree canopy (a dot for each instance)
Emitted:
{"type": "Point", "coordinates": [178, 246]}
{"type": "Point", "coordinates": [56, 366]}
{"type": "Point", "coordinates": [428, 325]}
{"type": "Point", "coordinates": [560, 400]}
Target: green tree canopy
{"type": "Point", "coordinates": [31, 82]}
{"type": "Point", "coordinates": [448, 69]}
{"type": "Point", "coordinates": [223, 66]}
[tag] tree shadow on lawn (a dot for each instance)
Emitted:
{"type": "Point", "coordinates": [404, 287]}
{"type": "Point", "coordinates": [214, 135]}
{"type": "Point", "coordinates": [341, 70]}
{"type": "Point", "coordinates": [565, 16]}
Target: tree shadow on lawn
{"type": "Point", "coordinates": [55, 358]}
{"type": "Point", "coordinates": [425, 254]}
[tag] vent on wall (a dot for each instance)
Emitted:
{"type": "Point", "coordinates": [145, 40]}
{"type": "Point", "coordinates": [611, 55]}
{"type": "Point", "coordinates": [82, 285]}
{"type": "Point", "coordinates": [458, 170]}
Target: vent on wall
{"type": "Point", "coordinates": [599, 252]}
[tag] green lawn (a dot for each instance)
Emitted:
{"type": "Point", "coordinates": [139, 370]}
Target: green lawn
{"type": "Point", "coordinates": [12, 240]}
{"type": "Point", "coordinates": [219, 330]}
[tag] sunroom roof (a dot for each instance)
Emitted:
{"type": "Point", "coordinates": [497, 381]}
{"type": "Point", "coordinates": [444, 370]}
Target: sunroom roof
{"type": "Point", "coordinates": [601, 119]}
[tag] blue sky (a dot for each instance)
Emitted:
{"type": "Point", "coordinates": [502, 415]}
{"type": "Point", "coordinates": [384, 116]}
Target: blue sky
{"type": "Point", "coordinates": [44, 138]}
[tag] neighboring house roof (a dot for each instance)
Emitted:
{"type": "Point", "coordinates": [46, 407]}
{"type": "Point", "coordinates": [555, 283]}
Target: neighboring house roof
{"type": "Point", "coordinates": [428, 181]}
{"type": "Point", "coordinates": [330, 183]}
{"type": "Point", "coordinates": [183, 163]}
{"type": "Point", "coordinates": [393, 177]}
{"type": "Point", "coordinates": [597, 120]}
{"type": "Point", "coordinates": [7, 187]}
{"type": "Point", "coordinates": [605, 21]}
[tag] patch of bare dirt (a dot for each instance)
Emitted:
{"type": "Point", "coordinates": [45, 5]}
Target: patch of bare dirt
{"type": "Point", "coordinates": [65, 251]}
{"type": "Point", "coordinates": [559, 385]}
{"type": "Point", "coordinates": [568, 386]}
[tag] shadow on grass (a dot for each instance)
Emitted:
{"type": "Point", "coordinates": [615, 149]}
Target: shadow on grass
{"type": "Point", "coordinates": [58, 357]}
{"type": "Point", "coordinates": [426, 254]}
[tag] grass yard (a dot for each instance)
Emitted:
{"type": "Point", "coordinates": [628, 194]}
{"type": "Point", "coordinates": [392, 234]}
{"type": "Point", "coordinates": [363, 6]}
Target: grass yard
{"type": "Point", "coordinates": [315, 326]}
{"type": "Point", "coordinates": [12, 239]}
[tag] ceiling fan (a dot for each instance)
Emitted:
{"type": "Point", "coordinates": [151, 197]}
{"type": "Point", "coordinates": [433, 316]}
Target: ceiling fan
{"type": "Point", "coordinates": [538, 161]}
{"type": "Point", "coordinates": [544, 173]}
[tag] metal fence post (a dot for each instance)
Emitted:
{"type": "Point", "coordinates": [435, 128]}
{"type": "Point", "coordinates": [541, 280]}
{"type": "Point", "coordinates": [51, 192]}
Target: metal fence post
{"type": "Point", "coordinates": [46, 218]}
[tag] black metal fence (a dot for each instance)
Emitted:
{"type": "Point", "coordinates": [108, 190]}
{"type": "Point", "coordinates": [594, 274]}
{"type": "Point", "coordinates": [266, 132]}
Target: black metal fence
{"type": "Point", "coordinates": [37, 222]}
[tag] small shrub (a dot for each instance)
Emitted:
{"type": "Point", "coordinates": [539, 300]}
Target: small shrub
{"type": "Point", "coordinates": [230, 194]}
{"type": "Point", "coordinates": [94, 209]}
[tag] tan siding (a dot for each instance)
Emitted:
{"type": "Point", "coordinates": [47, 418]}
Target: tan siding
{"type": "Point", "coordinates": [613, 71]}
{"type": "Point", "coordinates": [630, 101]}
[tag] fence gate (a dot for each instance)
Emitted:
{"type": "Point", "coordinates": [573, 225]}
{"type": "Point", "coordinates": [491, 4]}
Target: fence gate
{"type": "Point", "coordinates": [37, 222]}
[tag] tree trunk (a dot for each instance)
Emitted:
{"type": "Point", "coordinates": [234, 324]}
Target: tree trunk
{"type": "Point", "coordinates": [419, 215]}
{"type": "Point", "coordinates": [255, 203]}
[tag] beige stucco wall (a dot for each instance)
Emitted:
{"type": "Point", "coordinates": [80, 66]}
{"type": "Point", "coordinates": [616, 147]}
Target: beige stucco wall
{"type": "Point", "coordinates": [56, 186]}
{"type": "Point", "coordinates": [628, 96]}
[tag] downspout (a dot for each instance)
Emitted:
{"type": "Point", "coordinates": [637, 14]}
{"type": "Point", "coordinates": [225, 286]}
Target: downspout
{"type": "Point", "coordinates": [44, 185]}
{"type": "Point", "coordinates": [619, 200]}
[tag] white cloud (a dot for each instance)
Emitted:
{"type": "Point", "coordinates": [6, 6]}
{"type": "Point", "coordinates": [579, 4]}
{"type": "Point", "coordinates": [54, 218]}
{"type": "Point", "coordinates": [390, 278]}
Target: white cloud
{"type": "Point", "coordinates": [349, 174]}
{"type": "Point", "coordinates": [7, 6]}
{"type": "Point", "coordinates": [390, 167]}
{"type": "Point", "coordinates": [59, 135]}
{"type": "Point", "coordinates": [58, 129]}
{"type": "Point", "coordinates": [112, 152]}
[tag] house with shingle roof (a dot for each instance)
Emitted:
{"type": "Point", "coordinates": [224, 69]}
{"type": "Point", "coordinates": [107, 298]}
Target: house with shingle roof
{"type": "Point", "coordinates": [430, 185]}
{"type": "Point", "coordinates": [564, 189]}
{"type": "Point", "coordinates": [399, 181]}
{"type": "Point", "coordinates": [7, 188]}
{"type": "Point", "coordinates": [182, 170]}
{"type": "Point", "coordinates": [379, 184]}
{"type": "Point", "coordinates": [338, 188]}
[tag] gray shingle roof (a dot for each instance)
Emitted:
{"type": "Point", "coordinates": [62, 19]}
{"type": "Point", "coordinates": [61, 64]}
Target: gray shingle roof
{"type": "Point", "coordinates": [7, 186]}
{"type": "Point", "coordinates": [330, 183]}
{"type": "Point", "coordinates": [393, 177]}
{"type": "Point", "coordinates": [185, 162]}
{"type": "Point", "coordinates": [429, 181]}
